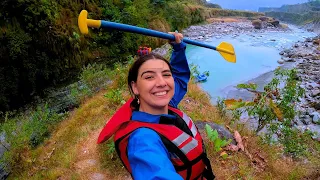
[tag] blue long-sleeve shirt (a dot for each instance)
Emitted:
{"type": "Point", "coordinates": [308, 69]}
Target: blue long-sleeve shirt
{"type": "Point", "coordinates": [148, 156]}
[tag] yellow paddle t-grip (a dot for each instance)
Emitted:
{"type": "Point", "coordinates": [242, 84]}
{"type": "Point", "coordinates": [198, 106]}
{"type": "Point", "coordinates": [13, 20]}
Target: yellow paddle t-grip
{"type": "Point", "coordinates": [84, 23]}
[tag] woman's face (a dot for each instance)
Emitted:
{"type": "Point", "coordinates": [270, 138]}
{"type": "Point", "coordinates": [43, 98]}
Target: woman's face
{"type": "Point", "coordinates": [155, 85]}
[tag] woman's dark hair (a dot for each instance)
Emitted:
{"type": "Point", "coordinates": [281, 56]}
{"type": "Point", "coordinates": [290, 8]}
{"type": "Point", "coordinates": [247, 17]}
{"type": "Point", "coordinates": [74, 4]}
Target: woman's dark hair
{"type": "Point", "coordinates": [134, 69]}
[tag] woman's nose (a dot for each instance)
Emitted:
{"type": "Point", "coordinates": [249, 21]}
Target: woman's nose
{"type": "Point", "coordinates": [161, 81]}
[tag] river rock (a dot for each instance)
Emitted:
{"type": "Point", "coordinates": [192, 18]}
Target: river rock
{"type": "Point", "coordinates": [310, 111]}
{"type": "Point", "coordinates": [315, 129]}
{"type": "Point", "coordinates": [163, 50]}
{"type": "Point", "coordinates": [309, 40]}
{"type": "Point", "coordinates": [316, 105]}
{"type": "Point", "coordinates": [305, 119]}
{"type": "Point", "coordinates": [315, 93]}
{"type": "Point", "coordinates": [275, 23]}
{"type": "Point", "coordinates": [263, 18]}
{"type": "Point", "coordinates": [223, 132]}
{"type": "Point", "coordinates": [316, 41]}
{"type": "Point", "coordinates": [312, 85]}
{"type": "Point", "coordinates": [280, 61]}
{"type": "Point", "coordinates": [287, 59]}
{"type": "Point", "coordinates": [315, 117]}
{"type": "Point", "coordinates": [257, 24]}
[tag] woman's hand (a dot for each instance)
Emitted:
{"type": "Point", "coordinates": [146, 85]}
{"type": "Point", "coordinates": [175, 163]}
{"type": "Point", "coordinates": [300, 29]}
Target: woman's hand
{"type": "Point", "coordinates": [178, 37]}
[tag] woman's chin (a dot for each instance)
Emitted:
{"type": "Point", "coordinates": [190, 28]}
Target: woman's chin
{"type": "Point", "coordinates": [162, 103]}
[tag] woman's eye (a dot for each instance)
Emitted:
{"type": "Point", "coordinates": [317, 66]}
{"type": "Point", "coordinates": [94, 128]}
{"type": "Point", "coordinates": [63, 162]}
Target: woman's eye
{"type": "Point", "coordinates": [167, 75]}
{"type": "Point", "coordinates": [148, 77]}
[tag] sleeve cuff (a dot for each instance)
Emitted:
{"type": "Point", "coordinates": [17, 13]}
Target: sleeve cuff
{"type": "Point", "coordinates": [177, 47]}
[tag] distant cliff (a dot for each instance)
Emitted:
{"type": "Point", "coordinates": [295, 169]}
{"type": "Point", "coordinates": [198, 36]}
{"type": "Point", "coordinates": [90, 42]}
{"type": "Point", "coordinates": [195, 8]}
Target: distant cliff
{"type": "Point", "coordinates": [301, 14]}
{"type": "Point", "coordinates": [297, 8]}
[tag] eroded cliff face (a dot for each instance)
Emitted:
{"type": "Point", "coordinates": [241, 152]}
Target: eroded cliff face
{"type": "Point", "coordinates": [313, 27]}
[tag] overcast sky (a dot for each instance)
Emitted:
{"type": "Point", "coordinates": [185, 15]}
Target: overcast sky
{"type": "Point", "coordinates": [253, 5]}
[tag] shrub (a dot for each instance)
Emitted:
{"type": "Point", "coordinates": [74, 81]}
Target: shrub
{"type": "Point", "coordinates": [275, 109]}
{"type": "Point", "coordinates": [27, 131]}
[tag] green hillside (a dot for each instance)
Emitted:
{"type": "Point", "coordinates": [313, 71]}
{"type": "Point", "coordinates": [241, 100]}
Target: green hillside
{"type": "Point", "coordinates": [298, 14]}
{"type": "Point", "coordinates": [42, 47]}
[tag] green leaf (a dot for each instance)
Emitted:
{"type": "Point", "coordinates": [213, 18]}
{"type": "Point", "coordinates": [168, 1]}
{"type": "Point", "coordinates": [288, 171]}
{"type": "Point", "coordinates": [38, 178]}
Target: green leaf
{"type": "Point", "coordinates": [217, 144]}
{"type": "Point", "coordinates": [215, 135]}
{"type": "Point", "coordinates": [224, 155]}
{"type": "Point", "coordinates": [225, 142]}
{"type": "Point", "coordinates": [208, 131]}
{"type": "Point", "coordinates": [212, 134]}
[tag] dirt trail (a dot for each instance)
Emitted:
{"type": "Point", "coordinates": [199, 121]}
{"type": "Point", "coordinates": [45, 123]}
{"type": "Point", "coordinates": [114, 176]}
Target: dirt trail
{"type": "Point", "coordinates": [88, 164]}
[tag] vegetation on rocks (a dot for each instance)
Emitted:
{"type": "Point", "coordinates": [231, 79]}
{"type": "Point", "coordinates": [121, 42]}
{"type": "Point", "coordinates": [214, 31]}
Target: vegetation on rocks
{"type": "Point", "coordinates": [275, 111]}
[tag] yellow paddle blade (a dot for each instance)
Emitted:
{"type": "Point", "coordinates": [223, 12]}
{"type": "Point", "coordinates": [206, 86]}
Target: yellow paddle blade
{"type": "Point", "coordinates": [227, 52]}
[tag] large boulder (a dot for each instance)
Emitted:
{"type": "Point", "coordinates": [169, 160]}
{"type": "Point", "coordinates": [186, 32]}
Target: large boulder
{"type": "Point", "coordinates": [283, 26]}
{"type": "Point", "coordinates": [263, 18]}
{"type": "Point", "coordinates": [316, 41]}
{"type": "Point", "coordinates": [274, 23]}
{"type": "Point", "coordinates": [257, 24]}
{"type": "Point", "coordinates": [222, 131]}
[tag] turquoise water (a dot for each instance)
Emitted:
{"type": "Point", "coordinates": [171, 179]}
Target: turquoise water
{"type": "Point", "coordinates": [256, 54]}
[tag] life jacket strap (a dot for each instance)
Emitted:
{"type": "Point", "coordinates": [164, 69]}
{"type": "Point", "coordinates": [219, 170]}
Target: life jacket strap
{"type": "Point", "coordinates": [207, 173]}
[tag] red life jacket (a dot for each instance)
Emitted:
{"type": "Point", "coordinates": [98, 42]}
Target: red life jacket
{"type": "Point", "coordinates": [186, 148]}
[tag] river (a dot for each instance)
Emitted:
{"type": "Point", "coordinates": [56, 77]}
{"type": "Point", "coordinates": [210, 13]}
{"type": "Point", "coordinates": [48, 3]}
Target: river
{"type": "Point", "coordinates": [257, 54]}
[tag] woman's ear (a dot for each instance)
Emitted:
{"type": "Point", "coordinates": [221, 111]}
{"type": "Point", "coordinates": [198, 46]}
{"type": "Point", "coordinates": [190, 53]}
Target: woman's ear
{"type": "Point", "coordinates": [134, 88]}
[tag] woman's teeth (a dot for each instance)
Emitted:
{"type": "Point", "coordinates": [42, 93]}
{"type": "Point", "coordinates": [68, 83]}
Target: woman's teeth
{"type": "Point", "coordinates": [160, 93]}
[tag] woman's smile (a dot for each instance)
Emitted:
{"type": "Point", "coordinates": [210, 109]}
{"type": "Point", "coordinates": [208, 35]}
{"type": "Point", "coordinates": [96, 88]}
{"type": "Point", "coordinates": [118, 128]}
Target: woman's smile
{"type": "Point", "coordinates": [160, 94]}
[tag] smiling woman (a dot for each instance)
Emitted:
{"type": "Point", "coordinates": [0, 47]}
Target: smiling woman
{"type": "Point", "coordinates": [153, 138]}
{"type": "Point", "coordinates": [153, 86]}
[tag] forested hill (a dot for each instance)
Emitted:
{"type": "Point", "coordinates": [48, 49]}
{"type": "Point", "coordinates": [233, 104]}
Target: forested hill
{"type": "Point", "coordinates": [299, 13]}
{"type": "Point", "coordinates": [41, 45]}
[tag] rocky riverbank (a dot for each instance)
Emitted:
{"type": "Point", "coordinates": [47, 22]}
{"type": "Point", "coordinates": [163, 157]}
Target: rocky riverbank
{"type": "Point", "coordinates": [305, 56]}
{"type": "Point", "coordinates": [222, 28]}
{"type": "Point", "coordinates": [218, 28]}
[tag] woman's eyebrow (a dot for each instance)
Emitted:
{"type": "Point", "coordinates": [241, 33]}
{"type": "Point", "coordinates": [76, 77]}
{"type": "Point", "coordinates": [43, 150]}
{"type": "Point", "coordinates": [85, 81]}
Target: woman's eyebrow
{"type": "Point", "coordinates": [147, 72]}
{"type": "Point", "coordinates": [164, 71]}
{"type": "Point", "coordinates": [167, 70]}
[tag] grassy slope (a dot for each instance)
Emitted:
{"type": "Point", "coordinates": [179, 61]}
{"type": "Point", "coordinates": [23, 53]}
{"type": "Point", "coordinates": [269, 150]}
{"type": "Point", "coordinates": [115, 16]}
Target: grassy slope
{"type": "Point", "coordinates": [72, 152]}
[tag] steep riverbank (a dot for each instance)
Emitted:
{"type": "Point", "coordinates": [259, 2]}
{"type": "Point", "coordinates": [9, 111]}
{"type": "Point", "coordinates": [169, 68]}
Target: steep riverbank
{"type": "Point", "coordinates": [303, 55]}
{"type": "Point", "coordinates": [71, 151]}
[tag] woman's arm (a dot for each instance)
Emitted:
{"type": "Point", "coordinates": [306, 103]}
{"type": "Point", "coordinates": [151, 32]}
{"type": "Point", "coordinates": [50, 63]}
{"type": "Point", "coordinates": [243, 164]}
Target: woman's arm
{"type": "Point", "coordinates": [148, 157]}
{"type": "Point", "coordinates": [180, 72]}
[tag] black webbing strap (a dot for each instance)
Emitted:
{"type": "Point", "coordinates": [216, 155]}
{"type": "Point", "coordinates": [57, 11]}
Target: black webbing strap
{"type": "Point", "coordinates": [207, 173]}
